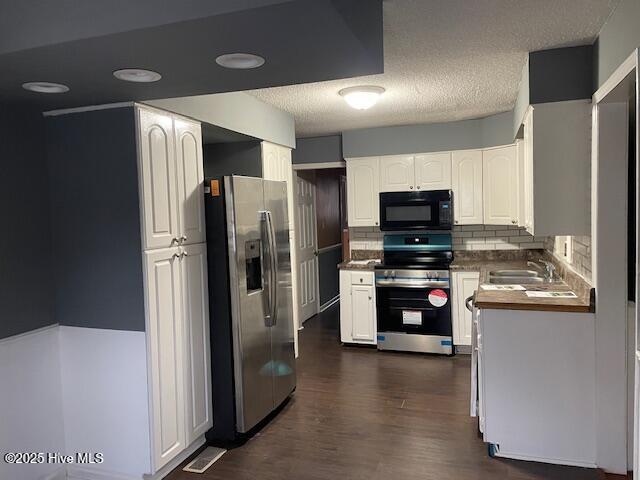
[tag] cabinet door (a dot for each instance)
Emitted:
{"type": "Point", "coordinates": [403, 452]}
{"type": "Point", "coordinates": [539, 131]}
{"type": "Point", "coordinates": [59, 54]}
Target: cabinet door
{"type": "Point", "coordinates": [346, 322]}
{"type": "Point", "coordinates": [466, 182]}
{"type": "Point", "coordinates": [363, 313]}
{"type": "Point", "coordinates": [433, 171]}
{"type": "Point", "coordinates": [195, 311]}
{"type": "Point", "coordinates": [464, 283]}
{"type": "Point", "coordinates": [363, 201]}
{"type": "Point", "coordinates": [397, 173]}
{"type": "Point", "coordinates": [190, 170]}
{"type": "Point", "coordinates": [157, 172]}
{"type": "Point", "coordinates": [499, 175]}
{"type": "Point", "coordinates": [165, 337]}
{"type": "Point", "coordinates": [528, 173]}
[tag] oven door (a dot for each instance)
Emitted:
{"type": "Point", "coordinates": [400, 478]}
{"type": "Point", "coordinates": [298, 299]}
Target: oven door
{"type": "Point", "coordinates": [416, 210]}
{"type": "Point", "coordinates": [416, 310]}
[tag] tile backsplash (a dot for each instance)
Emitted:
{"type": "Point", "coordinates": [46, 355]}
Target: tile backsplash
{"type": "Point", "coordinates": [580, 255]}
{"type": "Point", "coordinates": [465, 237]}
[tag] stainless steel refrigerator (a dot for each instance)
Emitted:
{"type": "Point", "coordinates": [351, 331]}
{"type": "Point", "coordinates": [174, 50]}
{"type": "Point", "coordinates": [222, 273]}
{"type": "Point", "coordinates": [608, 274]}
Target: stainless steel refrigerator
{"type": "Point", "coordinates": [251, 310]}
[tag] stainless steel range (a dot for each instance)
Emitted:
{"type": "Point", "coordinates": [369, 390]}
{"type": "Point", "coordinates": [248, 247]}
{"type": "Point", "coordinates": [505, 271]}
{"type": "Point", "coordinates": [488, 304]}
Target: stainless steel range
{"type": "Point", "coordinates": [413, 294]}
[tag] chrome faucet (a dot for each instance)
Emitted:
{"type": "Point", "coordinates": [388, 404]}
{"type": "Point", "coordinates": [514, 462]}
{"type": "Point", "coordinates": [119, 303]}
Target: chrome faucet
{"type": "Point", "coordinates": [549, 268]}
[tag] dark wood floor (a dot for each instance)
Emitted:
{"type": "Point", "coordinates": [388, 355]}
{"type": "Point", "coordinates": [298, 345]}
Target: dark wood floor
{"type": "Point", "coordinates": [362, 414]}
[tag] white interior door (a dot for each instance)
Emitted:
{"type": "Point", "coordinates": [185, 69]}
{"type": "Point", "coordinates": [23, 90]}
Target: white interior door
{"type": "Point", "coordinates": [307, 241]}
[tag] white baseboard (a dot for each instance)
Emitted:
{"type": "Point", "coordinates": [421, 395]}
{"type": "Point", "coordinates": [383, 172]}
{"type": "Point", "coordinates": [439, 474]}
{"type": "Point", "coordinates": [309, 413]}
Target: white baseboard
{"type": "Point", "coordinates": [330, 303]}
{"type": "Point", "coordinates": [554, 461]}
{"type": "Point", "coordinates": [75, 472]}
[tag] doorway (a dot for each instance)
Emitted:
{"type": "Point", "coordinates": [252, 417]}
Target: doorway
{"type": "Point", "coordinates": [615, 243]}
{"type": "Point", "coordinates": [320, 207]}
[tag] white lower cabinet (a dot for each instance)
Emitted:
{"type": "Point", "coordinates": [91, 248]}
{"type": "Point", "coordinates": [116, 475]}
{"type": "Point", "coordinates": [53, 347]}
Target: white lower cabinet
{"type": "Point", "coordinates": [165, 337]}
{"type": "Point", "coordinates": [195, 307]}
{"type": "Point", "coordinates": [357, 307]}
{"type": "Point", "coordinates": [178, 349]}
{"type": "Point", "coordinates": [464, 285]}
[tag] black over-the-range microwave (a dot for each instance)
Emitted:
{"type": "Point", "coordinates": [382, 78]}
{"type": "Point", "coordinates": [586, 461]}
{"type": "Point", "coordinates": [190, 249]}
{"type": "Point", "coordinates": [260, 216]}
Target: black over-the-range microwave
{"type": "Point", "coordinates": [424, 210]}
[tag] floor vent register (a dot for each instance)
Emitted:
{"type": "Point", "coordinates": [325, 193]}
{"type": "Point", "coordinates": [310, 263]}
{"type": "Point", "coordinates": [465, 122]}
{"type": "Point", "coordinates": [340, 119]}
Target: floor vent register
{"type": "Point", "coordinates": [202, 462]}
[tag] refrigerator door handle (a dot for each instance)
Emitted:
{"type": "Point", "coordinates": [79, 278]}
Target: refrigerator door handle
{"type": "Point", "coordinates": [273, 256]}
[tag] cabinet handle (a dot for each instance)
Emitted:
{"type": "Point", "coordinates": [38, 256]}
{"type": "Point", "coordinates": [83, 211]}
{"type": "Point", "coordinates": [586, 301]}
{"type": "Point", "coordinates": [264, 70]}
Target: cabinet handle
{"type": "Point", "coordinates": [175, 255]}
{"type": "Point", "coordinates": [411, 187]}
{"type": "Point", "coordinates": [183, 238]}
{"type": "Point", "coordinates": [418, 187]}
{"type": "Point", "coordinates": [369, 298]}
{"type": "Point", "coordinates": [174, 240]}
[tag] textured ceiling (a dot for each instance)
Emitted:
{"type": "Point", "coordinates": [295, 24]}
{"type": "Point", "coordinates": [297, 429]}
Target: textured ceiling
{"type": "Point", "coordinates": [446, 60]}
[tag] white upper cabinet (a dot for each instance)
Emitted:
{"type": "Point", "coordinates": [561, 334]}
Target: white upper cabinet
{"type": "Point", "coordinates": [157, 171]}
{"type": "Point", "coordinates": [500, 182]}
{"type": "Point", "coordinates": [466, 172]}
{"type": "Point", "coordinates": [433, 171]}
{"type": "Point", "coordinates": [171, 176]}
{"type": "Point", "coordinates": [363, 204]}
{"type": "Point", "coordinates": [557, 168]}
{"type": "Point", "coordinates": [403, 173]}
{"type": "Point", "coordinates": [397, 173]}
{"type": "Point", "coordinates": [190, 181]}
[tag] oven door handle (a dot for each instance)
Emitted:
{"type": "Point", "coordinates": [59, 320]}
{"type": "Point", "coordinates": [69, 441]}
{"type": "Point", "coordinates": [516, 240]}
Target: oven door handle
{"type": "Point", "coordinates": [409, 284]}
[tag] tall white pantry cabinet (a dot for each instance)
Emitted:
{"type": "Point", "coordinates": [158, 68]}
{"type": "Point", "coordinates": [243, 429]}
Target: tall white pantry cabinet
{"type": "Point", "coordinates": [171, 176]}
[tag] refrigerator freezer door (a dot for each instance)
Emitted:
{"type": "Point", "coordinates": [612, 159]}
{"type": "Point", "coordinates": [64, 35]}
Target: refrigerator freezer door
{"type": "Point", "coordinates": [251, 336]}
{"type": "Point", "coordinates": [282, 344]}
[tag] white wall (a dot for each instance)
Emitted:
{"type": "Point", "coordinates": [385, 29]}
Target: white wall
{"type": "Point", "coordinates": [30, 401]}
{"type": "Point", "coordinates": [236, 111]}
{"type": "Point", "coordinates": [104, 384]}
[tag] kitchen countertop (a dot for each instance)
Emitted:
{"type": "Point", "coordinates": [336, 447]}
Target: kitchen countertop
{"type": "Point", "coordinates": [370, 265]}
{"type": "Point", "coordinates": [484, 262]}
{"type": "Point", "coordinates": [518, 300]}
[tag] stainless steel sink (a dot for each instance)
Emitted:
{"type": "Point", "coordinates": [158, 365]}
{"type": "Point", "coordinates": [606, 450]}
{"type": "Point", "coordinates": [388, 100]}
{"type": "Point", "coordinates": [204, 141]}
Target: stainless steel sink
{"type": "Point", "coordinates": [516, 280]}
{"type": "Point", "coordinates": [515, 273]}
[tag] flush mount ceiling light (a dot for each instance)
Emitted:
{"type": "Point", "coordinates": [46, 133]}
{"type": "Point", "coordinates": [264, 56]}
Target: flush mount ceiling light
{"type": "Point", "coordinates": [361, 98]}
{"type": "Point", "coordinates": [45, 87]}
{"type": "Point", "coordinates": [240, 61]}
{"type": "Point", "coordinates": [137, 75]}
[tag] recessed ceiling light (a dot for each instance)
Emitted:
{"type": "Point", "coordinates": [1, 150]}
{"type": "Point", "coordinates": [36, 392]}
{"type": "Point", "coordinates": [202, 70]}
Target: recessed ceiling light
{"type": "Point", "coordinates": [362, 97]}
{"type": "Point", "coordinates": [137, 75]}
{"type": "Point", "coordinates": [45, 87]}
{"type": "Point", "coordinates": [240, 61]}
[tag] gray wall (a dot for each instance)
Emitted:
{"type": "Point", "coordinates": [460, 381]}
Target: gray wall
{"type": "Point", "coordinates": [97, 247]}
{"type": "Point", "coordinates": [547, 76]}
{"type": "Point", "coordinates": [238, 158]}
{"type": "Point", "coordinates": [619, 37]}
{"type": "Point", "coordinates": [318, 150]}
{"type": "Point", "coordinates": [328, 273]}
{"type": "Point", "coordinates": [561, 74]}
{"type": "Point", "coordinates": [236, 111]}
{"type": "Point", "coordinates": [433, 137]}
{"type": "Point", "coordinates": [26, 292]}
